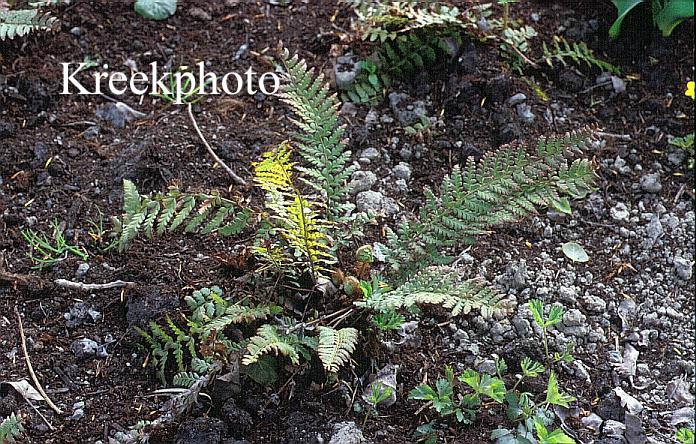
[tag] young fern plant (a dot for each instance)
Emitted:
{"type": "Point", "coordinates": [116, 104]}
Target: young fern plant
{"type": "Point", "coordinates": [321, 139]}
{"type": "Point", "coordinates": [562, 51]}
{"type": "Point", "coordinates": [300, 229]}
{"type": "Point", "coordinates": [504, 187]}
{"type": "Point", "coordinates": [158, 213]}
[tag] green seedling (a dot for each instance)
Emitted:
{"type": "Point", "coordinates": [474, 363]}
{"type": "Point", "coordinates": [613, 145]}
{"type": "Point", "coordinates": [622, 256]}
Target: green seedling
{"type": "Point", "coordinates": [378, 394]}
{"type": "Point", "coordinates": [555, 316]}
{"type": "Point", "coordinates": [182, 93]}
{"type": "Point", "coordinates": [50, 253]}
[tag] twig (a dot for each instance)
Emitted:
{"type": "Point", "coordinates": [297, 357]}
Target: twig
{"type": "Point", "coordinates": [31, 369]}
{"type": "Point", "coordinates": [40, 414]}
{"type": "Point", "coordinates": [624, 137]}
{"type": "Point", "coordinates": [92, 287]}
{"type": "Point", "coordinates": [232, 174]}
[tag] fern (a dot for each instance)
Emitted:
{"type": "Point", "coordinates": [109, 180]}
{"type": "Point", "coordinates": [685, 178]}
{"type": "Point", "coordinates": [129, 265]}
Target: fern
{"type": "Point", "coordinates": [203, 341]}
{"type": "Point", "coordinates": [320, 140]}
{"type": "Point", "coordinates": [438, 286]}
{"type": "Point", "coordinates": [157, 213]}
{"type": "Point", "coordinates": [506, 186]}
{"type": "Point", "coordinates": [10, 429]}
{"type": "Point", "coordinates": [577, 53]}
{"type": "Point", "coordinates": [336, 346]}
{"type": "Point", "coordinates": [269, 339]}
{"type": "Point", "coordinates": [24, 21]}
{"type": "Point", "coordinates": [294, 217]}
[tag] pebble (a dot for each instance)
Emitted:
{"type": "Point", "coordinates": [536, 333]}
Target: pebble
{"type": "Point", "coordinates": [651, 183]}
{"type": "Point", "coordinates": [362, 181]}
{"type": "Point", "coordinates": [402, 171]}
{"type": "Point", "coordinates": [346, 70]}
{"type": "Point", "coordinates": [369, 200]}
{"type": "Point", "coordinates": [619, 212]}
{"type": "Point", "coordinates": [517, 99]}
{"type": "Point", "coordinates": [683, 268]}
{"type": "Point", "coordinates": [525, 113]}
{"type": "Point", "coordinates": [82, 270]}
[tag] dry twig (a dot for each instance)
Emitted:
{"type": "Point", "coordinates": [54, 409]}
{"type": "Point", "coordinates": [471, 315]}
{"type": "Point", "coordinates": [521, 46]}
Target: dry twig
{"type": "Point", "coordinates": [31, 369]}
{"type": "Point", "coordinates": [231, 173]}
{"type": "Point", "coordinates": [92, 287]}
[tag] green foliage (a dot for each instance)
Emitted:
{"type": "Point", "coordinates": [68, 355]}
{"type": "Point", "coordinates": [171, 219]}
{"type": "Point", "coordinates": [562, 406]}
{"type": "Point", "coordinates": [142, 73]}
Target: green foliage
{"type": "Point", "coordinates": [11, 429]}
{"type": "Point", "coordinates": [667, 14]}
{"type": "Point", "coordinates": [578, 53]}
{"type": "Point", "coordinates": [515, 44]}
{"type": "Point", "coordinates": [443, 399]}
{"type": "Point", "coordinates": [436, 285]}
{"type": "Point", "coordinates": [270, 339]}
{"type": "Point", "coordinates": [484, 385]}
{"type": "Point", "coordinates": [388, 320]}
{"type": "Point", "coordinates": [50, 252]}
{"type": "Point", "coordinates": [203, 341]}
{"type": "Point", "coordinates": [320, 140]}
{"type": "Point", "coordinates": [684, 435]}
{"type": "Point", "coordinates": [296, 229]}
{"type": "Point", "coordinates": [160, 212]}
{"type": "Point", "coordinates": [504, 187]}
{"type": "Point", "coordinates": [554, 396]}
{"type": "Point", "coordinates": [24, 21]}
{"type": "Point", "coordinates": [336, 346]}
{"type": "Point", "coordinates": [687, 144]}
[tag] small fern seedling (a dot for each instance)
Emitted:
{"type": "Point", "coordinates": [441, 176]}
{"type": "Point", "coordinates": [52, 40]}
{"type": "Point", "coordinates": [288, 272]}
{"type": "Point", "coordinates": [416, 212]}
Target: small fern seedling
{"type": "Point", "coordinates": [577, 52]}
{"type": "Point", "coordinates": [11, 429]}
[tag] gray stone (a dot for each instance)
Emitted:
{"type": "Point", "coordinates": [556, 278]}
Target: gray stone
{"type": "Point", "coordinates": [650, 183]}
{"type": "Point", "coordinates": [347, 433]}
{"type": "Point", "coordinates": [82, 270]}
{"type": "Point", "coordinates": [522, 326]}
{"type": "Point", "coordinates": [595, 204]}
{"type": "Point", "coordinates": [517, 99]}
{"type": "Point", "coordinates": [618, 84]}
{"type": "Point", "coordinates": [567, 294]}
{"type": "Point", "coordinates": [619, 212]}
{"type": "Point", "coordinates": [369, 200]}
{"type": "Point", "coordinates": [592, 422]}
{"type": "Point", "coordinates": [654, 229]}
{"type": "Point", "coordinates": [389, 206]}
{"type": "Point", "coordinates": [346, 70]}
{"type": "Point", "coordinates": [402, 171]}
{"type": "Point", "coordinates": [613, 429]}
{"type": "Point", "coordinates": [204, 430]}
{"type": "Point", "coordinates": [683, 268]}
{"type": "Point", "coordinates": [407, 113]}
{"type": "Point", "coordinates": [573, 318]}
{"type": "Point", "coordinates": [370, 153]}
{"type": "Point", "coordinates": [405, 152]}
{"type": "Point", "coordinates": [76, 31]}
{"type": "Point", "coordinates": [118, 114]}
{"type": "Point", "coordinates": [525, 113]}
{"type": "Point", "coordinates": [362, 181]}
{"type": "Point", "coordinates": [487, 366]}
{"type": "Point", "coordinates": [86, 348]}
{"type": "Point", "coordinates": [595, 304]}
{"type": "Point", "coordinates": [516, 275]}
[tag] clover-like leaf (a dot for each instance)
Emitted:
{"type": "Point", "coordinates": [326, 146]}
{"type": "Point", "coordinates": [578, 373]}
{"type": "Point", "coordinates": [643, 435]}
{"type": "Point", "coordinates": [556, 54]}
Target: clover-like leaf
{"type": "Point", "coordinates": [575, 252]}
{"type": "Point", "coordinates": [155, 9]}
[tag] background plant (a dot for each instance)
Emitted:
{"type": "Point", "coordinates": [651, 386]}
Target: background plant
{"type": "Point", "coordinates": [667, 14]}
{"type": "Point", "coordinates": [50, 251]}
{"type": "Point", "coordinates": [11, 429]}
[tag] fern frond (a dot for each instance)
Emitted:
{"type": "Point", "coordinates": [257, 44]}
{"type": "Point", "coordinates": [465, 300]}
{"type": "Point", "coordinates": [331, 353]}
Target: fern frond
{"type": "Point", "coordinates": [169, 211]}
{"type": "Point", "coordinates": [24, 21]}
{"type": "Point", "coordinates": [236, 314]}
{"type": "Point", "coordinates": [504, 187]}
{"type": "Point", "coordinates": [562, 51]}
{"type": "Point", "coordinates": [11, 429]}
{"type": "Point", "coordinates": [268, 339]}
{"type": "Point", "coordinates": [321, 139]}
{"type": "Point", "coordinates": [336, 346]}
{"type": "Point", "coordinates": [293, 217]}
{"type": "Point", "coordinates": [441, 286]}
{"type": "Point", "coordinates": [185, 379]}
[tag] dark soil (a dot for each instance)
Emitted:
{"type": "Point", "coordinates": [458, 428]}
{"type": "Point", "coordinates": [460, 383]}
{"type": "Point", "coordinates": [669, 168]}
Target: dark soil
{"type": "Point", "coordinates": [51, 170]}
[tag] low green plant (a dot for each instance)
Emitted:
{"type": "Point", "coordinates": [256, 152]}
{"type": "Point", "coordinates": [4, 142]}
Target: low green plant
{"type": "Point", "coordinates": [577, 52]}
{"type": "Point", "coordinates": [158, 213]}
{"type": "Point", "coordinates": [544, 322]}
{"type": "Point", "coordinates": [667, 14]}
{"type": "Point", "coordinates": [378, 393]}
{"type": "Point", "coordinates": [11, 429]}
{"type": "Point", "coordinates": [685, 436]}
{"type": "Point", "coordinates": [50, 251]}
{"type": "Point", "coordinates": [687, 144]}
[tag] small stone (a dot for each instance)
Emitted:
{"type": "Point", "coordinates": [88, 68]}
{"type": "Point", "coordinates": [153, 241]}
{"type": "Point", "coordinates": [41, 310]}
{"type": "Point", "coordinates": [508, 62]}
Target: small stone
{"type": "Point", "coordinates": [82, 270]}
{"type": "Point", "coordinates": [651, 183]}
{"type": "Point", "coordinates": [362, 181]}
{"type": "Point", "coordinates": [683, 268]}
{"type": "Point", "coordinates": [407, 113]}
{"type": "Point", "coordinates": [517, 99]}
{"type": "Point", "coordinates": [613, 429]}
{"type": "Point", "coordinates": [405, 152]}
{"type": "Point", "coordinates": [348, 109]}
{"type": "Point", "coordinates": [619, 212]}
{"type": "Point", "coordinates": [592, 422]}
{"type": "Point", "coordinates": [84, 348]}
{"type": "Point", "coordinates": [573, 318]}
{"type": "Point", "coordinates": [516, 275]}
{"type": "Point", "coordinates": [76, 31]}
{"type": "Point", "coordinates": [525, 113]}
{"type": "Point", "coordinates": [595, 304]}
{"type": "Point", "coordinates": [346, 70]}
{"type": "Point", "coordinates": [347, 433]}
{"type": "Point", "coordinates": [618, 85]}
{"type": "Point", "coordinates": [200, 14]}
{"type": "Point", "coordinates": [522, 326]}
{"type": "Point", "coordinates": [370, 153]}
{"type": "Point", "coordinates": [487, 366]}
{"type": "Point", "coordinates": [402, 171]}
{"type": "Point", "coordinates": [369, 200]}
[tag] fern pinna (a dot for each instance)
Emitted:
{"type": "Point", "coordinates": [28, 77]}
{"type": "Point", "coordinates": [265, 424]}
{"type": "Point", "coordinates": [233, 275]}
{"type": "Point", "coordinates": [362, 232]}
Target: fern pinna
{"type": "Point", "coordinates": [11, 429]}
{"type": "Point", "coordinates": [293, 216]}
{"type": "Point", "coordinates": [321, 139]}
{"type": "Point", "coordinates": [504, 187]}
{"type": "Point", "coordinates": [156, 213]}
{"type": "Point", "coordinates": [24, 21]}
{"type": "Point", "coordinates": [577, 53]}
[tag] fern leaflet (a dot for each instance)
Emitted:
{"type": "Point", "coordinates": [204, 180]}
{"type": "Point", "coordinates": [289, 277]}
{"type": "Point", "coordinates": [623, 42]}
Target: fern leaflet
{"type": "Point", "coordinates": [336, 346]}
